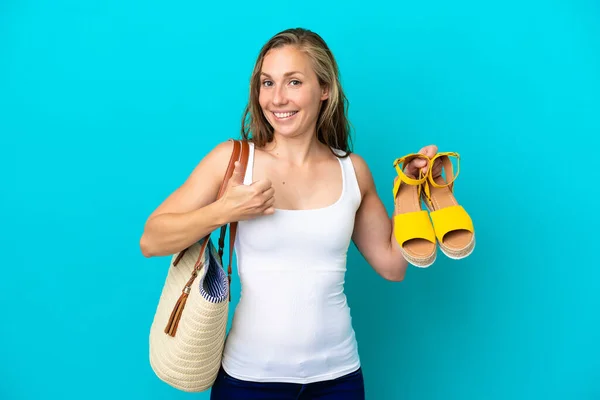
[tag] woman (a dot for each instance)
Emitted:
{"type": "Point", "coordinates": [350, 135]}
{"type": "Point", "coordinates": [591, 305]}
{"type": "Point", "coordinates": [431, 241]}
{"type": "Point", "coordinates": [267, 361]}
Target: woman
{"type": "Point", "coordinates": [303, 197]}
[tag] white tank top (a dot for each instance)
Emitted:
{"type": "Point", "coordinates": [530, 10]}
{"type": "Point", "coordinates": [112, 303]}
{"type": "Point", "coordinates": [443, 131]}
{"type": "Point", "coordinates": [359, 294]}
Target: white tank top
{"type": "Point", "coordinates": [293, 323]}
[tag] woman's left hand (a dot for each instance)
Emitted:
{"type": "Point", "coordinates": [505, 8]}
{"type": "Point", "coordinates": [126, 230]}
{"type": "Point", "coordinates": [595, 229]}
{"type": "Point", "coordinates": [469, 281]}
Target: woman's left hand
{"type": "Point", "coordinates": [413, 167]}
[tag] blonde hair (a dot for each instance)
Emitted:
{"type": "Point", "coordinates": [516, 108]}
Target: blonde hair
{"type": "Point", "coordinates": [333, 127]}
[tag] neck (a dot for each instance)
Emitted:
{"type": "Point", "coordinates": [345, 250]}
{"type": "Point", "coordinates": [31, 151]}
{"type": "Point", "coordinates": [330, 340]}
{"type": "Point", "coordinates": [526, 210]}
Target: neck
{"type": "Point", "coordinates": [296, 150]}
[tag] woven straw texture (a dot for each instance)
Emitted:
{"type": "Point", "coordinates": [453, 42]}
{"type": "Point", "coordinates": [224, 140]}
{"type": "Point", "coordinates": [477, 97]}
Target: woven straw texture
{"type": "Point", "coordinates": [191, 360]}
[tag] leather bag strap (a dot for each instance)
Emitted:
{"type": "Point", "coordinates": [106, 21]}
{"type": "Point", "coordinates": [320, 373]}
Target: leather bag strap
{"type": "Point", "coordinates": [240, 153]}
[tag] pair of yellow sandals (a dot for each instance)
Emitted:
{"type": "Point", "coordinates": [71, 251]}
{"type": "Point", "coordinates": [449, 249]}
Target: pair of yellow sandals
{"type": "Point", "coordinates": [418, 231]}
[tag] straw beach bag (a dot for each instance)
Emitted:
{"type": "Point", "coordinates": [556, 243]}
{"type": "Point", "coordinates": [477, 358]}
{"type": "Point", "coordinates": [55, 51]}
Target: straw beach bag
{"type": "Point", "coordinates": [187, 334]}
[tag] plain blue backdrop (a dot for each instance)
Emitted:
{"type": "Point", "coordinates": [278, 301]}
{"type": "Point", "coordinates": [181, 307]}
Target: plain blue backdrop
{"type": "Point", "coordinates": [106, 107]}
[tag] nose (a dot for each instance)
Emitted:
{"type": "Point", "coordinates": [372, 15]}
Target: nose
{"type": "Point", "coordinates": [279, 95]}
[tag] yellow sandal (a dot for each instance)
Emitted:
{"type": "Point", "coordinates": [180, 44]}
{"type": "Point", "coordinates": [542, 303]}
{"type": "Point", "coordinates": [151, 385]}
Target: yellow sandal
{"type": "Point", "coordinates": [413, 229]}
{"type": "Point", "coordinates": [452, 224]}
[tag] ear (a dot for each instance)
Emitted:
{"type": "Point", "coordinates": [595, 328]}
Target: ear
{"type": "Point", "coordinates": [324, 93]}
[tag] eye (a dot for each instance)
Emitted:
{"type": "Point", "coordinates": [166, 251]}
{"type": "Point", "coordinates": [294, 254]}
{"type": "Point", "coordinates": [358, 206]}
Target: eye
{"type": "Point", "coordinates": [295, 82]}
{"type": "Point", "coordinates": [266, 83]}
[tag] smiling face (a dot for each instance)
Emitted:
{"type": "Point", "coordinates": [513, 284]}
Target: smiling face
{"type": "Point", "coordinates": [290, 95]}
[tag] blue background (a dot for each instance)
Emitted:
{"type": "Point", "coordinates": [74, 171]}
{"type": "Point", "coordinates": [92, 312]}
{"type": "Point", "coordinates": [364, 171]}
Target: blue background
{"type": "Point", "coordinates": [106, 106]}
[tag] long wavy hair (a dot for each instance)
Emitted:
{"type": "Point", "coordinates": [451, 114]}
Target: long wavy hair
{"type": "Point", "coordinates": [333, 126]}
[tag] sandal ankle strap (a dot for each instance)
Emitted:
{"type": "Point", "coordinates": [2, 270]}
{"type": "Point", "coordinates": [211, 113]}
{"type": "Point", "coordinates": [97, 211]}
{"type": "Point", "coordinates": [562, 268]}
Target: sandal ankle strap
{"type": "Point", "coordinates": [399, 164]}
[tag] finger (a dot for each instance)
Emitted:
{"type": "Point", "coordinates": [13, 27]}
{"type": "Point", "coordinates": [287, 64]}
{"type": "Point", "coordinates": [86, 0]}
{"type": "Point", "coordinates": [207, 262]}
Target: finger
{"type": "Point", "coordinates": [429, 151]}
{"type": "Point", "coordinates": [268, 194]}
{"type": "Point", "coordinates": [425, 167]}
{"type": "Point", "coordinates": [425, 150]}
{"type": "Point", "coordinates": [419, 163]}
{"type": "Point", "coordinates": [269, 211]}
{"type": "Point", "coordinates": [267, 204]}
{"type": "Point", "coordinates": [437, 167]}
{"type": "Point", "coordinates": [237, 177]}
{"type": "Point", "coordinates": [261, 185]}
{"type": "Point", "coordinates": [414, 166]}
{"type": "Point", "coordinates": [411, 173]}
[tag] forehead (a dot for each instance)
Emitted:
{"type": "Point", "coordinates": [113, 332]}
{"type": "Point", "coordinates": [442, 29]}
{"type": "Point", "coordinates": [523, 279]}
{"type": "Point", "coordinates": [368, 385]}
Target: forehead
{"type": "Point", "coordinates": [279, 61]}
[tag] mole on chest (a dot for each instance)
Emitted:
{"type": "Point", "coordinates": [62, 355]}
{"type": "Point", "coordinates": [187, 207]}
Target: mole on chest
{"type": "Point", "coordinates": [305, 195]}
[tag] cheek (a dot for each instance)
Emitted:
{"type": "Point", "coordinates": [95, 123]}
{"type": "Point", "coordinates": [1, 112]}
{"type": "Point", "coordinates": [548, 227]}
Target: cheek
{"type": "Point", "coordinates": [312, 100]}
{"type": "Point", "coordinates": [305, 99]}
{"type": "Point", "coordinates": [262, 99]}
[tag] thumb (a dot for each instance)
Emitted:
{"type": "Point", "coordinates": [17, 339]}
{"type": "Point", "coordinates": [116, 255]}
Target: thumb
{"type": "Point", "coordinates": [419, 163]}
{"type": "Point", "coordinates": [414, 166]}
{"type": "Point", "coordinates": [237, 177]}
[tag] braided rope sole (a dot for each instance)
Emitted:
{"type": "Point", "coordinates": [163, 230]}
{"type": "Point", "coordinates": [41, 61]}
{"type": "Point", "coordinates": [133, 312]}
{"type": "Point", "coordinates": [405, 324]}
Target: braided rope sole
{"type": "Point", "coordinates": [457, 254]}
{"type": "Point", "coordinates": [420, 262]}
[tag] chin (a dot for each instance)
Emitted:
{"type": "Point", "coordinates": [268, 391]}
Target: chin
{"type": "Point", "coordinates": [285, 130]}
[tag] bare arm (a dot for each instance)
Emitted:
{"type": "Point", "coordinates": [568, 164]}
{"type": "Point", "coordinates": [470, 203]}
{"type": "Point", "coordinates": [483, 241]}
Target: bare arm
{"type": "Point", "coordinates": [373, 229]}
{"type": "Point", "coordinates": [190, 212]}
{"type": "Point", "coordinates": [193, 211]}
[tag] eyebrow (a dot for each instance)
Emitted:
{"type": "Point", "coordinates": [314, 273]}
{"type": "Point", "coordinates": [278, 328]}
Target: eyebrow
{"type": "Point", "coordinates": [286, 74]}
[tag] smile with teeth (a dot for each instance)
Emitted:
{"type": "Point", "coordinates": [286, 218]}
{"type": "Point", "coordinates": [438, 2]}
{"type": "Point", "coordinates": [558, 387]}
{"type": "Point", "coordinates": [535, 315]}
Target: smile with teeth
{"type": "Point", "coordinates": [284, 115]}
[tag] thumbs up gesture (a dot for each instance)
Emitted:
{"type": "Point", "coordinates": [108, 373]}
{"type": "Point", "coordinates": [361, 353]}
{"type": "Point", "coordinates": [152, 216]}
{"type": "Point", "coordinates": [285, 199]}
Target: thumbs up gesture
{"type": "Point", "coordinates": [244, 202]}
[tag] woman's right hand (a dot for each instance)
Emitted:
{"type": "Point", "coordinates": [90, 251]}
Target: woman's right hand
{"type": "Point", "coordinates": [243, 202]}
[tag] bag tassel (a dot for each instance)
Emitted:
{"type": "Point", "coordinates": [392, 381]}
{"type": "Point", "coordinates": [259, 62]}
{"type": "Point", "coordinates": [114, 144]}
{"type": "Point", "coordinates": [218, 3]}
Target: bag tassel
{"type": "Point", "coordinates": [171, 328]}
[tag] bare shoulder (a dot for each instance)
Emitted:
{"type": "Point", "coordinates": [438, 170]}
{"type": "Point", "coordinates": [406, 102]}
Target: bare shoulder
{"type": "Point", "coordinates": [220, 151]}
{"type": "Point", "coordinates": [363, 174]}
{"type": "Point", "coordinates": [202, 185]}
{"type": "Point", "coordinates": [213, 165]}
{"type": "Point", "coordinates": [218, 157]}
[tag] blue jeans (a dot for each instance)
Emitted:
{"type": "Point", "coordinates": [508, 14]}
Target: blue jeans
{"type": "Point", "coordinates": [347, 387]}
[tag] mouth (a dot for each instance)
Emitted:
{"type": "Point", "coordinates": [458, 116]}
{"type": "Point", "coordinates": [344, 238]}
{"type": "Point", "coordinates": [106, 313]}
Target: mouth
{"type": "Point", "coordinates": [284, 115]}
